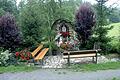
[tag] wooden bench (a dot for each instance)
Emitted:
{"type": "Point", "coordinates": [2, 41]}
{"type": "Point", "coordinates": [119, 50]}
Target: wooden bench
{"type": "Point", "coordinates": [39, 53]}
{"type": "Point", "coordinates": [80, 54]}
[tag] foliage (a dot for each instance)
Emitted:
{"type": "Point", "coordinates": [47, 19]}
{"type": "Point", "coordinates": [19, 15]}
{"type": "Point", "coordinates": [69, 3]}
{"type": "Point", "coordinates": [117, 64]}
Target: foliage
{"type": "Point", "coordinates": [9, 6]}
{"type": "Point", "coordinates": [100, 31]}
{"type": "Point", "coordinates": [85, 21]}
{"type": "Point", "coordinates": [48, 39]}
{"type": "Point", "coordinates": [31, 19]}
{"type": "Point", "coordinates": [4, 57]}
{"type": "Point", "coordinates": [10, 37]}
{"type": "Point", "coordinates": [114, 33]}
{"type": "Point", "coordinates": [2, 12]}
{"type": "Point", "coordinates": [118, 48]}
{"type": "Point", "coordinates": [37, 18]}
{"type": "Point", "coordinates": [114, 16]}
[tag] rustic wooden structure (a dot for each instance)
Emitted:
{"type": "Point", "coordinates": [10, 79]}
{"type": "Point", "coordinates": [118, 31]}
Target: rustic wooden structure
{"type": "Point", "coordinates": [39, 54]}
{"type": "Point", "coordinates": [80, 54]}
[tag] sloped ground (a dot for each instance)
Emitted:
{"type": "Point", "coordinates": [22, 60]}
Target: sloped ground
{"type": "Point", "coordinates": [61, 74]}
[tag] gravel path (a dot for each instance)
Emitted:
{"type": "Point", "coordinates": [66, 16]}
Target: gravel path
{"type": "Point", "coordinates": [61, 74]}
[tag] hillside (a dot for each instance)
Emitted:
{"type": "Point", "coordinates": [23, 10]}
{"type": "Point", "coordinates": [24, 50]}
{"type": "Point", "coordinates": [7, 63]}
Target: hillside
{"type": "Point", "coordinates": [115, 31]}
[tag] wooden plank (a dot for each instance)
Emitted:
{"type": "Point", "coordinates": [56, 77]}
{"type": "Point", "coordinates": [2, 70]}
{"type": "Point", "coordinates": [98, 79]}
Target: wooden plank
{"type": "Point", "coordinates": [79, 53]}
{"type": "Point", "coordinates": [82, 51]}
{"type": "Point", "coordinates": [80, 56]}
{"type": "Point", "coordinates": [36, 50]}
{"type": "Point", "coordinates": [42, 54]}
{"type": "Point", "coordinates": [36, 58]}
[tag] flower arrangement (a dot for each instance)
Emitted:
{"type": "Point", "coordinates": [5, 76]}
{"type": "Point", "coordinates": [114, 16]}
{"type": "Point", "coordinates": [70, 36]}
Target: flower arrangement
{"type": "Point", "coordinates": [23, 55]}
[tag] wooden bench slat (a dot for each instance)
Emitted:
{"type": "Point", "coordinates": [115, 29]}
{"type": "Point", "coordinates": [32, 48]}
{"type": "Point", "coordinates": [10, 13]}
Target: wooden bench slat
{"type": "Point", "coordinates": [81, 51]}
{"type": "Point", "coordinates": [80, 56]}
{"type": "Point", "coordinates": [78, 53]}
{"type": "Point", "coordinates": [42, 54]}
{"type": "Point", "coordinates": [36, 50]}
{"type": "Point", "coordinates": [36, 58]}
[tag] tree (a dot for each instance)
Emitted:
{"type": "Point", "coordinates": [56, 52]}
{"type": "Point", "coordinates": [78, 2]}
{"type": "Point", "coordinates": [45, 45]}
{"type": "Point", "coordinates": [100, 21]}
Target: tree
{"type": "Point", "coordinates": [114, 16]}
{"type": "Point", "coordinates": [31, 20]}
{"type": "Point", "coordinates": [10, 37]}
{"type": "Point", "coordinates": [100, 32]}
{"type": "Point", "coordinates": [2, 12]}
{"type": "Point", "coordinates": [9, 6]}
{"type": "Point", "coordinates": [85, 21]}
{"type": "Point", "coordinates": [37, 18]}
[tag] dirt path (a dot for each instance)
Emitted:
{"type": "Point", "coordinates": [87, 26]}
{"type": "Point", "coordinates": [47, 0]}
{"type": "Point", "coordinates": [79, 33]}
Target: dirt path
{"type": "Point", "coordinates": [52, 74]}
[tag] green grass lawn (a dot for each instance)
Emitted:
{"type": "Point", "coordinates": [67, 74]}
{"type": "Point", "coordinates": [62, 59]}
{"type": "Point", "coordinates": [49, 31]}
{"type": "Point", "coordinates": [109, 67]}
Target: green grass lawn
{"type": "Point", "coordinates": [95, 67]}
{"type": "Point", "coordinates": [115, 31]}
{"type": "Point", "coordinates": [75, 67]}
{"type": "Point", "coordinates": [115, 78]}
{"type": "Point", "coordinates": [18, 68]}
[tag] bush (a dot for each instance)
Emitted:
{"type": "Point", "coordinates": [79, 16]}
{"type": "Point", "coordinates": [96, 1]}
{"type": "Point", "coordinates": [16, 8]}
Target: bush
{"type": "Point", "coordinates": [30, 21]}
{"type": "Point", "coordinates": [85, 21]}
{"type": "Point", "coordinates": [1, 12]}
{"type": "Point", "coordinates": [4, 57]}
{"type": "Point", "coordinates": [10, 37]}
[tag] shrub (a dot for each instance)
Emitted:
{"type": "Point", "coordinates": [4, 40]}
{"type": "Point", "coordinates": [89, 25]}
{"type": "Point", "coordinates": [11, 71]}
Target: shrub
{"type": "Point", "coordinates": [4, 57]}
{"type": "Point", "coordinates": [85, 20]}
{"type": "Point", "coordinates": [1, 12]}
{"type": "Point", "coordinates": [30, 21]}
{"type": "Point", "coordinates": [10, 37]}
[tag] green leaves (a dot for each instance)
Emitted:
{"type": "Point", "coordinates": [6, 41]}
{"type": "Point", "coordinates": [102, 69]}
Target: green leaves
{"type": "Point", "coordinates": [4, 56]}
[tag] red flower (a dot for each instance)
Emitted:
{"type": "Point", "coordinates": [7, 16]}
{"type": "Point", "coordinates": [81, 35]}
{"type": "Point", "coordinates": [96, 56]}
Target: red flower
{"type": "Point", "coordinates": [17, 54]}
{"type": "Point", "coordinates": [28, 54]}
{"type": "Point", "coordinates": [23, 54]}
{"type": "Point", "coordinates": [22, 57]}
{"type": "Point", "coordinates": [27, 58]}
{"type": "Point", "coordinates": [65, 34]}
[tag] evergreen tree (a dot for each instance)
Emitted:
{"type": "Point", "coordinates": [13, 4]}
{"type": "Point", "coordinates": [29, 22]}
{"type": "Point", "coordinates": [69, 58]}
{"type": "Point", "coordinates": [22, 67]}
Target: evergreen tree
{"type": "Point", "coordinates": [30, 22]}
{"type": "Point", "coordinates": [100, 33]}
{"type": "Point", "coordinates": [9, 6]}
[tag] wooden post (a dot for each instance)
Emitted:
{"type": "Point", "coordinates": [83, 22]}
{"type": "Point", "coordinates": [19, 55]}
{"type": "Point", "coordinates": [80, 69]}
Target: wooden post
{"type": "Point", "coordinates": [68, 58]}
{"type": "Point", "coordinates": [42, 62]}
{"type": "Point", "coordinates": [96, 56]}
{"type": "Point", "coordinates": [93, 59]}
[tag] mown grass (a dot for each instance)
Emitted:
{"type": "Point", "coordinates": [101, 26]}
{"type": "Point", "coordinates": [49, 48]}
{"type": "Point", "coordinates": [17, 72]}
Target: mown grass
{"type": "Point", "coordinates": [95, 67]}
{"type": "Point", "coordinates": [18, 68]}
{"type": "Point", "coordinates": [115, 36]}
{"type": "Point", "coordinates": [115, 78]}
{"type": "Point", "coordinates": [115, 31]}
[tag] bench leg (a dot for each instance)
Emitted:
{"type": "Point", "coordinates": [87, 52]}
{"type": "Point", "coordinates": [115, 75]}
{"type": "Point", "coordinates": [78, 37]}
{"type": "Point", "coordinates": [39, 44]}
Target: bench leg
{"type": "Point", "coordinates": [41, 62]}
{"type": "Point", "coordinates": [93, 59]}
{"type": "Point", "coordinates": [96, 57]}
{"type": "Point", "coordinates": [96, 60]}
{"type": "Point", "coordinates": [68, 59]}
